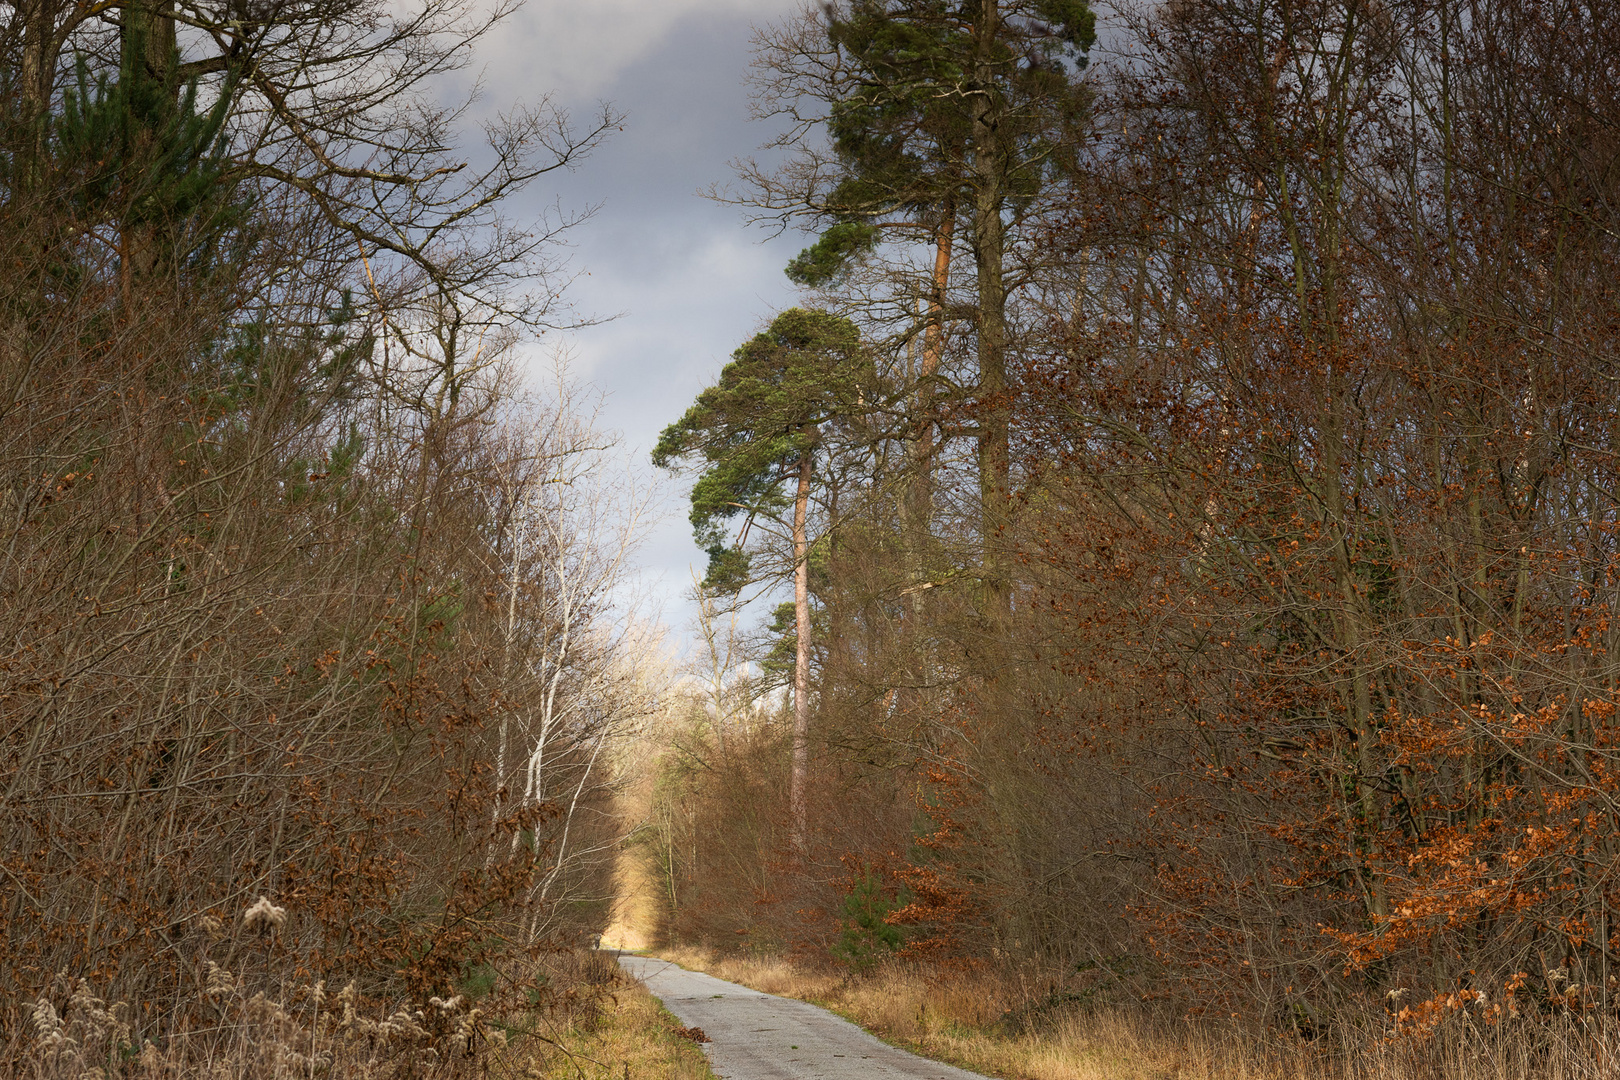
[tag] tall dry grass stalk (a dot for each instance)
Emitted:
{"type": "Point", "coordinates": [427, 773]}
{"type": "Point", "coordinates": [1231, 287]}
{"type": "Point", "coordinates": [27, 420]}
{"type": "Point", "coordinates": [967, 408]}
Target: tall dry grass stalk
{"type": "Point", "coordinates": [994, 1023]}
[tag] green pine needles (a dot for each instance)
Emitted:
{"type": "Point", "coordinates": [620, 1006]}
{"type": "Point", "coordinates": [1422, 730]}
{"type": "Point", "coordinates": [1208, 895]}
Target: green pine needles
{"type": "Point", "coordinates": [752, 430]}
{"type": "Point", "coordinates": [142, 152]}
{"type": "Point", "coordinates": [903, 128]}
{"type": "Point", "coordinates": [867, 936]}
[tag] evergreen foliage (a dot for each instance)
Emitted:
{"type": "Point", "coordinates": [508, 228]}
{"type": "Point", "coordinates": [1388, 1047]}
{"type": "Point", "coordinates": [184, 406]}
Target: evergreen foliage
{"type": "Point", "coordinates": [752, 429]}
{"type": "Point", "coordinates": [866, 935]}
{"type": "Point", "coordinates": [902, 126]}
{"type": "Point", "coordinates": [259, 571]}
{"type": "Point", "coordinates": [132, 153]}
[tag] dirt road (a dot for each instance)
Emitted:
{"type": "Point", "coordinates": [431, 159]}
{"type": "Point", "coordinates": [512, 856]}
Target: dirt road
{"type": "Point", "coordinates": [757, 1036]}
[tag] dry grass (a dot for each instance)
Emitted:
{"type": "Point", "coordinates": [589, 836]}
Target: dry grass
{"type": "Point", "coordinates": [634, 1038]}
{"type": "Point", "coordinates": [959, 1019]}
{"type": "Point", "coordinates": [598, 1026]}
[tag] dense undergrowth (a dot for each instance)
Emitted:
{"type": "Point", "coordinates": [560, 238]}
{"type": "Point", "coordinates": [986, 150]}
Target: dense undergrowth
{"type": "Point", "coordinates": [311, 676]}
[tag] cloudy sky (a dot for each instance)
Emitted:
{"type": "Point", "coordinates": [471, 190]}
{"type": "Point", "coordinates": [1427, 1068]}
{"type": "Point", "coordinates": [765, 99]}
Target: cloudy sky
{"type": "Point", "coordinates": [691, 280]}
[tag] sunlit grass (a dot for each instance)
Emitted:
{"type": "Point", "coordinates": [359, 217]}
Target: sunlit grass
{"type": "Point", "coordinates": [633, 1038]}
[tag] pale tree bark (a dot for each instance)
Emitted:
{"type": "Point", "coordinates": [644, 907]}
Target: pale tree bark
{"type": "Point", "coordinates": [574, 674]}
{"type": "Point", "coordinates": [720, 660]}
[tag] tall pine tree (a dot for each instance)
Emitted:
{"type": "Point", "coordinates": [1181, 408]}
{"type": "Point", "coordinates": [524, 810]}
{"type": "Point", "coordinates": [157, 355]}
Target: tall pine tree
{"type": "Point", "coordinates": [757, 431]}
{"type": "Point", "coordinates": [942, 115]}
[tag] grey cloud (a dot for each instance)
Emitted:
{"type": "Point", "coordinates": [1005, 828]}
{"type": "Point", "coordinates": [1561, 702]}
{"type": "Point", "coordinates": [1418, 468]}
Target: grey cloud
{"type": "Point", "coordinates": [691, 280]}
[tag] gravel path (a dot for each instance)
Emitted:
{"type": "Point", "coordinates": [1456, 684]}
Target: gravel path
{"type": "Point", "coordinates": [757, 1036]}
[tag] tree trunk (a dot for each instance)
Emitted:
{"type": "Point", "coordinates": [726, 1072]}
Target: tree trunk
{"type": "Point", "coordinates": [801, 663]}
{"type": "Point", "coordinates": [38, 66]}
{"type": "Point", "coordinates": [989, 246]}
{"type": "Point", "coordinates": [922, 488]}
{"type": "Point", "coordinates": [151, 56]}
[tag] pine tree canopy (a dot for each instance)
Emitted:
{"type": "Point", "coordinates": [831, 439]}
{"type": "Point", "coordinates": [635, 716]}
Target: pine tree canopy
{"type": "Point", "coordinates": [752, 429]}
{"type": "Point", "coordinates": [902, 125]}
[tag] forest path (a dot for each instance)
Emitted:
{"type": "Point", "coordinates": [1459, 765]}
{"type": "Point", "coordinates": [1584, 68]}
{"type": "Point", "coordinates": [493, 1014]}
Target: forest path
{"type": "Point", "coordinates": [756, 1036]}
